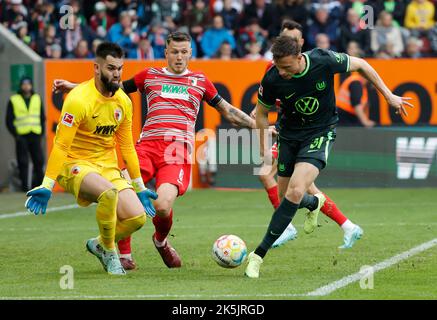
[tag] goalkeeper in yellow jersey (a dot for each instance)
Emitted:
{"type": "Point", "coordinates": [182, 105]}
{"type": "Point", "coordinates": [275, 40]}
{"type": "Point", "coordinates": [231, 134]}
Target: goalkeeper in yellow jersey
{"type": "Point", "coordinates": [95, 116]}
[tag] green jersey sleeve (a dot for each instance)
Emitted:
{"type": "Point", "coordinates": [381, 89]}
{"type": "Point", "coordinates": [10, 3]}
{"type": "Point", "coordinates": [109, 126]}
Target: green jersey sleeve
{"type": "Point", "coordinates": [337, 62]}
{"type": "Point", "coordinates": [266, 96]}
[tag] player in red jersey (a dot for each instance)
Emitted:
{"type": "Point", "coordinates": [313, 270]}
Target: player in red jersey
{"type": "Point", "coordinates": [352, 232]}
{"type": "Point", "coordinates": [174, 95]}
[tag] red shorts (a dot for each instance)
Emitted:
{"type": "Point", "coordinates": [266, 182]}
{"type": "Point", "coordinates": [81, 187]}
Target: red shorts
{"type": "Point", "coordinates": [167, 161]}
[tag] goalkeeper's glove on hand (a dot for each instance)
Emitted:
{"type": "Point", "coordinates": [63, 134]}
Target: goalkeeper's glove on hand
{"type": "Point", "coordinates": [39, 197]}
{"type": "Point", "coordinates": [145, 195]}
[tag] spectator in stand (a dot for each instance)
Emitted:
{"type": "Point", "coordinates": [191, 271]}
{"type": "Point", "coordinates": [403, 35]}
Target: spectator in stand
{"type": "Point", "coordinates": [385, 32]}
{"type": "Point", "coordinates": [101, 22]}
{"type": "Point", "coordinates": [54, 51]}
{"type": "Point", "coordinates": [215, 36]}
{"type": "Point", "coordinates": [251, 33]}
{"type": "Point", "coordinates": [412, 48]}
{"type": "Point", "coordinates": [71, 37]}
{"type": "Point", "coordinates": [197, 14]}
{"type": "Point", "coordinates": [231, 17]}
{"type": "Point", "coordinates": [196, 17]}
{"type": "Point", "coordinates": [157, 37]}
{"type": "Point", "coordinates": [112, 8]}
{"type": "Point", "coordinates": [94, 46]}
{"type": "Point", "coordinates": [386, 51]}
{"type": "Point", "coordinates": [123, 34]}
{"type": "Point", "coordinates": [225, 52]}
{"type": "Point", "coordinates": [395, 8]}
{"type": "Point", "coordinates": [77, 11]}
{"type": "Point", "coordinates": [353, 31]}
{"type": "Point", "coordinates": [43, 43]}
{"type": "Point", "coordinates": [82, 51]}
{"type": "Point", "coordinates": [22, 33]}
{"type": "Point", "coordinates": [264, 12]}
{"type": "Point", "coordinates": [143, 52]}
{"type": "Point", "coordinates": [238, 5]}
{"type": "Point", "coordinates": [323, 24]}
{"type": "Point", "coordinates": [127, 5]}
{"type": "Point", "coordinates": [164, 8]}
{"type": "Point", "coordinates": [254, 51]}
{"type": "Point", "coordinates": [419, 17]}
{"type": "Point", "coordinates": [432, 35]}
{"type": "Point", "coordinates": [322, 41]}
{"type": "Point", "coordinates": [290, 9]}
{"type": "Point", "coordinates": [15, 14]}
{"type": "Point", "coordinates": [334, 8]}
{"type": "Point", "coordinates": [353, 49]}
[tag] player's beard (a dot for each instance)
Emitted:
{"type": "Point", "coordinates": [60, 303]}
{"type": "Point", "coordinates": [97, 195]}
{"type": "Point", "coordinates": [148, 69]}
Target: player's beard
{"type": "Point", "coordinates": [109, 85]}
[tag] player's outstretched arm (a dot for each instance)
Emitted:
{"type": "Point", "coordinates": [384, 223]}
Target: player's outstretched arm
{"type": "Point", "coordinates": [65, 86]}
{"type": "Point", "coordinates": [397, 102]}
{"type": "Point", "coordinates": [234, 115]}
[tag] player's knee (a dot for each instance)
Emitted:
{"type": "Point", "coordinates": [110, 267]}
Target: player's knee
{"type": "Point", "coordinates": [109, 196]}
{"type": "Point", "coordinates": [162, 207]}
{"type": "Point", "coordinates": [138, 221]}
{"type": "Point", "coordinates": [295, 194]}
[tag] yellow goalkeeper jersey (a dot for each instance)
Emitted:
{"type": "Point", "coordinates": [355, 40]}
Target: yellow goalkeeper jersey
{"type": "Point", "coordinates": [89, 128]}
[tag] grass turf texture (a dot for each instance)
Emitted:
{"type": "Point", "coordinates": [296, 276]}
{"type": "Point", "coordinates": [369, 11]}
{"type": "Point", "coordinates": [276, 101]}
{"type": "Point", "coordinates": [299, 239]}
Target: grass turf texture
{"type": "Point", "coordinates": [394, 220]}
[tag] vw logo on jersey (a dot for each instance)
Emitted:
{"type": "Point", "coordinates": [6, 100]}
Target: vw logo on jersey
{"type": "Point", "coordinates": [307, 105]}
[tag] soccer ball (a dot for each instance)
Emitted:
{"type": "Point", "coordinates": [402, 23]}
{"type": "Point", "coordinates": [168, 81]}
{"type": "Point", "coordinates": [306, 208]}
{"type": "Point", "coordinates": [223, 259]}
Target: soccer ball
{"type": "Point", "coordinates": [229, 251]}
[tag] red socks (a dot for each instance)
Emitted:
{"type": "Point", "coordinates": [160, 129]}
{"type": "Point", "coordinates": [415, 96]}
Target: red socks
{"type": "Point", "coordinates": [330, 209]}
{"type": "Point", "coordinates": [274, 196]}
{"type": "Point", "coordinates": [162, 226]}
{"type": "Point", "coordinates": [124, 246]}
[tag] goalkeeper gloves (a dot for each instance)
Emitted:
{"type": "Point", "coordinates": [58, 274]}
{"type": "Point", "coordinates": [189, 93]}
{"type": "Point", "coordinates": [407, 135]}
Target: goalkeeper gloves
{"type": "Point", "coordinates": [144, 195]}
{"type": "Point", "coordinates": [39, 197]}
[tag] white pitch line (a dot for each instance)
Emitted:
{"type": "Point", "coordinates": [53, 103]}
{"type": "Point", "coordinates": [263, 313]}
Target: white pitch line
{"type": "Point", "coordinates": [27, 213]}
{"type": "Point", "coordinates": [322, 291]}
{"type": "Point", "coordinates": [328, 289]}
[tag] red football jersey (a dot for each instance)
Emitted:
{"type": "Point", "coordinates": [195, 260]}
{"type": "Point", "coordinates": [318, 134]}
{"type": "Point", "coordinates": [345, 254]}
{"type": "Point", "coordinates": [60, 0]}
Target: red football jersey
{"type": "Point", "coordinates": [173, 102]}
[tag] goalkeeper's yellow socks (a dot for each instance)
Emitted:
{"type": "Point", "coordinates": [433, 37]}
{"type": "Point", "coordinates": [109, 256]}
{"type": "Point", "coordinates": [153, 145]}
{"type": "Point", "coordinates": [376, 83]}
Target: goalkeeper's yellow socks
{"type": "Point", "coordinates": [128, 226]}
{"type": "Point", "coordinates": [106, 215]}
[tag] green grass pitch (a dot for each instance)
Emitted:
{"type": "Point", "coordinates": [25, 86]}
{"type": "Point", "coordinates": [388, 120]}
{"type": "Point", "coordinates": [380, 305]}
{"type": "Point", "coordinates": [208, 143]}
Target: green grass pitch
{"type": "Point", "coordinates": [33, 249]}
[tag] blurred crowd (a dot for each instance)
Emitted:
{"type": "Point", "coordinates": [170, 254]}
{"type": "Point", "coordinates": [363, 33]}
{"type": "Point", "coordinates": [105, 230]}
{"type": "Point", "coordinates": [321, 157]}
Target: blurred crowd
{"type": "Point", "coordinates": [222, 29]}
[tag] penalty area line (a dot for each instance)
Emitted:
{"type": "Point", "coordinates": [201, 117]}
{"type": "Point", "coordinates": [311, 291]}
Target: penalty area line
{"type": "Point", "coordinates": [27, 213]}
{"type": "Point", "coordinates": [343, 282]}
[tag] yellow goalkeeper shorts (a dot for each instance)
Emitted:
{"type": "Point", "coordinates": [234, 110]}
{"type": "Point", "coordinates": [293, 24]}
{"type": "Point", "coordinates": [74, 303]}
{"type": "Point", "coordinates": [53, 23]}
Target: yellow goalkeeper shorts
{"type": "Point", "coordinates": [72, 174]}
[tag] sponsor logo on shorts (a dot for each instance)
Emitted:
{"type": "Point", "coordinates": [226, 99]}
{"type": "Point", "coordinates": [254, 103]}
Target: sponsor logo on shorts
{"type": "Point", "coordinates": [75, 170]}
{"type": "Point", "coordinates": [281, 167]}
{"type": "Point", "coordinates": [68, 119]}
{"type": "Point", "coordinates": [181, 177]}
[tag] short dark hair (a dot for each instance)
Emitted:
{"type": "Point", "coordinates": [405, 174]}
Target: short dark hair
{"type": "Point", "coordinates": [178, 36]}
{"type": "Point", "coordinates": [284, 46]}
{"type": "Point", "coordinates": [109, 49]}
{"type": "Point", "coordinates": [291, 25]}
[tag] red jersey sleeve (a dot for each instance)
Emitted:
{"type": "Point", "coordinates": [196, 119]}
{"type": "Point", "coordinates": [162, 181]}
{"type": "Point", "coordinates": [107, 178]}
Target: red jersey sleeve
{"type": "Point", "coordinates": [211, 95]}
{"type": "Point", "coordinates": [139, 79]}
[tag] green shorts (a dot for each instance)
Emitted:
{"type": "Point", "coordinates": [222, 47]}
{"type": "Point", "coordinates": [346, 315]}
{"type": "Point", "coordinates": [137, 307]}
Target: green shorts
{"type": "Point", "coordinates": [314, 149]}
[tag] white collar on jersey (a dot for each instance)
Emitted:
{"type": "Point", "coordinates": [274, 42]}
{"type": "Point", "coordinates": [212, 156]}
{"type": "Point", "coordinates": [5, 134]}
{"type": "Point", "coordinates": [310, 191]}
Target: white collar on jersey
{"type": "Point", "coordinates": [175, 74]}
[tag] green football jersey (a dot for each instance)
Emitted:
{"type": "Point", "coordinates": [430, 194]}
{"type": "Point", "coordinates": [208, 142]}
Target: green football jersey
{"type": "Point", "coordinates": [307, 99]}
